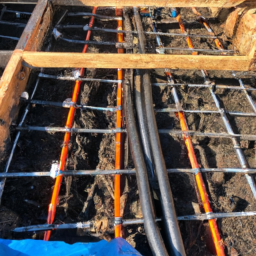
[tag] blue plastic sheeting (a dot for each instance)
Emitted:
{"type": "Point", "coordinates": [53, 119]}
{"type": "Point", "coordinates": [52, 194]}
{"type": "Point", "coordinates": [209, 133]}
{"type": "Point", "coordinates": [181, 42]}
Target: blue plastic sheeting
{"type": "Point", "coordinates": [28, 247]}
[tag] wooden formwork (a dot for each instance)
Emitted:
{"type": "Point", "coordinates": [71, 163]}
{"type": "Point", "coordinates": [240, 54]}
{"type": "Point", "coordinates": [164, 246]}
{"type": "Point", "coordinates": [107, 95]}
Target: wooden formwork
{"type": "Point", "coordinates": [27, 53]}
{"type": "Point", "coordinates": [162, 3]}
{"type": "Point", "coordinates": [15, 77]}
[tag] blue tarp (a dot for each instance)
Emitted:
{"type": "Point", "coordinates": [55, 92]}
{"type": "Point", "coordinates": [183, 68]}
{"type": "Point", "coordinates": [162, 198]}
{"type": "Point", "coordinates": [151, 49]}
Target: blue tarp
{"type": "Point", "coordinates": [29, 247]}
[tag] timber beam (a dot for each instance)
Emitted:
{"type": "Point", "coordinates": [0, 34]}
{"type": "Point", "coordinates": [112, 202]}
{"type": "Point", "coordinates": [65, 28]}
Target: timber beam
{"type": "Point", "coordinates": [36, 28]}
{"type": "Point", "coordinates": [143, 3]}
{"type": "Point", "coordinates": [138, 61]}
{"type": "Point", "coordinates": [160, 3]}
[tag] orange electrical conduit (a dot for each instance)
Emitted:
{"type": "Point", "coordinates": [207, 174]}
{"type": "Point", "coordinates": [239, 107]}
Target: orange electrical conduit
{"type": "Point", "coordinates": [118, 157]}
{"type": "Point", "coordinates": [64, 151]}
{"type": "Point", "coordinates": [218, 243]}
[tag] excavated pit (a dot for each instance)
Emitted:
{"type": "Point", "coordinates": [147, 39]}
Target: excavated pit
{"type": "Point", "coordinates": [25, 200]}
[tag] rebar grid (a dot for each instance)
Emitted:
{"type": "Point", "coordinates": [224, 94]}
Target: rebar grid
{"type": "Point", "coordinates": [243, 162]}
{"type": "Point", "coordinates": [245, 169]}
{"type": "Point", "coordinates": [11, 23]}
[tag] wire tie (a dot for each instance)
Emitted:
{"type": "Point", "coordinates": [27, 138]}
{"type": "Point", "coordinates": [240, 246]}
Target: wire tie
{"type": "Point", "coordinates": [222, 111]}
{"type": "Point", "coordinates": [118, 221]}
{"type": "Point", "coordinates": [118, 130]}
{"type": "Point", "coordinates": [119, 107]}
{"type": "Point", "coordinates": [209, 216]}
{"type": "Point", "coordinates": [213, 86]}
{"type": "Point", "coordinates": [60, 173]}
{"type": "Point", "coordinates": [197, 170]}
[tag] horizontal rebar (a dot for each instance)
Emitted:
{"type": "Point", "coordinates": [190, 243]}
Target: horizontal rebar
{"type": "Point", "coordinates": [232, 113]}
{"type": "Point", "coordinates": [108, 30]}
{"type": "Point", "coordinates": [126, 172]}
{"type": "Point", "coordinates": [71, 130]}
{"type": "Point", "coordinates": [97, 16]}
{"type": "Point", "coordinates": [219, 215]}
{"type": "Point", "coordinates": [89, 224]}
{"type": "Point", "coordinates": [169, 131]}
{"type": "Point", "coordinates": [202, 134]}
{"type": "Point", "coordinates": [192, 50]}
{"type": "Point", "coordinates": [86, 42]}
{"type": "Point", "coordinates": [10, 37]}
{"type": "Point", "coordinates": [71, 104]}
{"type": "Point", "coordinates": [74, 78]}
{"type": "Point", "coordinates": [205, 86]}
{"type": "Point", "coordinates": [12, 23]}
{"type": "Point", "coordinates": [112, 109]}
{"type": "Point", "coordinates": [12, 11]}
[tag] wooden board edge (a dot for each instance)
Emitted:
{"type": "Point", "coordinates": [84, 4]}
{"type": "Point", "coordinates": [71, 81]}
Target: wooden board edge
{"type": "Point", "coordinates": [159, 3]}
{"type": "Point", "coordinates": [36, 28]}
{"type": "Point", "coordinates": [12, 84]}
{"type": "Point", "coordinates": [138, 61]}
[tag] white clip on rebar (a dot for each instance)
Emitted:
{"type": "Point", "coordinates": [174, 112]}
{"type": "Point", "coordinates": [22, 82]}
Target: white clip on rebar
{"type": "Point", "coordinates": [81, 225]}
{"type": "Point", "coordinates": [67, 103]}
{"type": "Point", "coordinates": [160, 50]}
{"type": "Point", "coordinates": [54, 172]}
{"type": "Point", "coordinates": [76, 73]}
{"type": "Point", "coordinates": [56, 34]}
{"type": "Point", "coordinates": [86, 27]}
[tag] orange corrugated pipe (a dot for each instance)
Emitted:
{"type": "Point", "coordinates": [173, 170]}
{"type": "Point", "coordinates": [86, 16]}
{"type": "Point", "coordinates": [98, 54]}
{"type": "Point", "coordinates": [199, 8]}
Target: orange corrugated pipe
{"type": "Point", "coordinates": [218, 243]}
{"type": "Point", "coordinates": [64, 151]}
{"type": "Point", "coordinates": [182, 28]}
{"type": "Point", "coordinates": [208, 28]}
{"type": "Point", "coordinates": [118, 156]}
{"type": "Point", "coordinates": [201, 187]}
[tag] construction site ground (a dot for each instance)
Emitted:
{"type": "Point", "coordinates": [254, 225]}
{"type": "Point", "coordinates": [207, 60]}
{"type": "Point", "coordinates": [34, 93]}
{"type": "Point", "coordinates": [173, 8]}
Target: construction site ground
{"type": "Point", "coordinates": [25, 200]}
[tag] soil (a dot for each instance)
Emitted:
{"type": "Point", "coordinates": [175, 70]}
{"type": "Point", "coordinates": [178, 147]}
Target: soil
{"type": "Point", "coordinates": [36, 151]}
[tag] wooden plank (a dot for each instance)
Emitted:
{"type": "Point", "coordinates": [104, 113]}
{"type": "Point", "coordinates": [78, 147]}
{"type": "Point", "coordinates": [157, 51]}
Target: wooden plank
{"type": "Point", "coordinates": [37, 26]}
{"type": "Point", "coordinates": [14, 79]}
{"type": "Point", "coordinates": [12, 84]}
{"type": "Point", "coordinates": [159, 3]}
{"type": "Point", "coordinates": [4, 58]}
{"type": "Point", "coordinates": [19, 2]}
{"type": "Point", "coordinates": [138, 61]}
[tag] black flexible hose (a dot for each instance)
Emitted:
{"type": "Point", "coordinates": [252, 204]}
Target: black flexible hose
{"type": "Point", "coordinates": [153, 235]}
{"type": "Point", "coordinates": [169, 214]}
{"type": "Point", "coordinates": [174, 239]}
{"type": "Point", "coordinates": [143, 127]}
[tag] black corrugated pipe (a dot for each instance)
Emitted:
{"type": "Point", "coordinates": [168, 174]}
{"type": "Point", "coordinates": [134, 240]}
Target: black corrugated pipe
{"type": "Point", "coordinates": [174, 238]}
{"type": "Point", "coordinates": [153, 234]}
{"type": "Point", "coordinates": [139, 109]}
{"type": "Point", "coordinates": [169, 214]}
{"type": "Point", "coordinates": [143, 129]}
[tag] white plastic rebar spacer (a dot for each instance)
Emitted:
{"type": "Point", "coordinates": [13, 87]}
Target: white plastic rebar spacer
{"type": "Point", "coordinates": [76, 73]}
{"type": "Point", "coordinates": [68, 103]}
{"type": "Point", "coordinates": [86, 27]}
{"type": "Point", "coordinates": [54, 170]}
{"type": "Point", "coordinates": [56, 34]}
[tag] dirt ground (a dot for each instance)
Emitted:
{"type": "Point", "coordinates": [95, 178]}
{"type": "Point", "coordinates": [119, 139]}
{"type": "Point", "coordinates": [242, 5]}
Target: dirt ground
{"type": "Point", "coordinates": [25, 200]}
